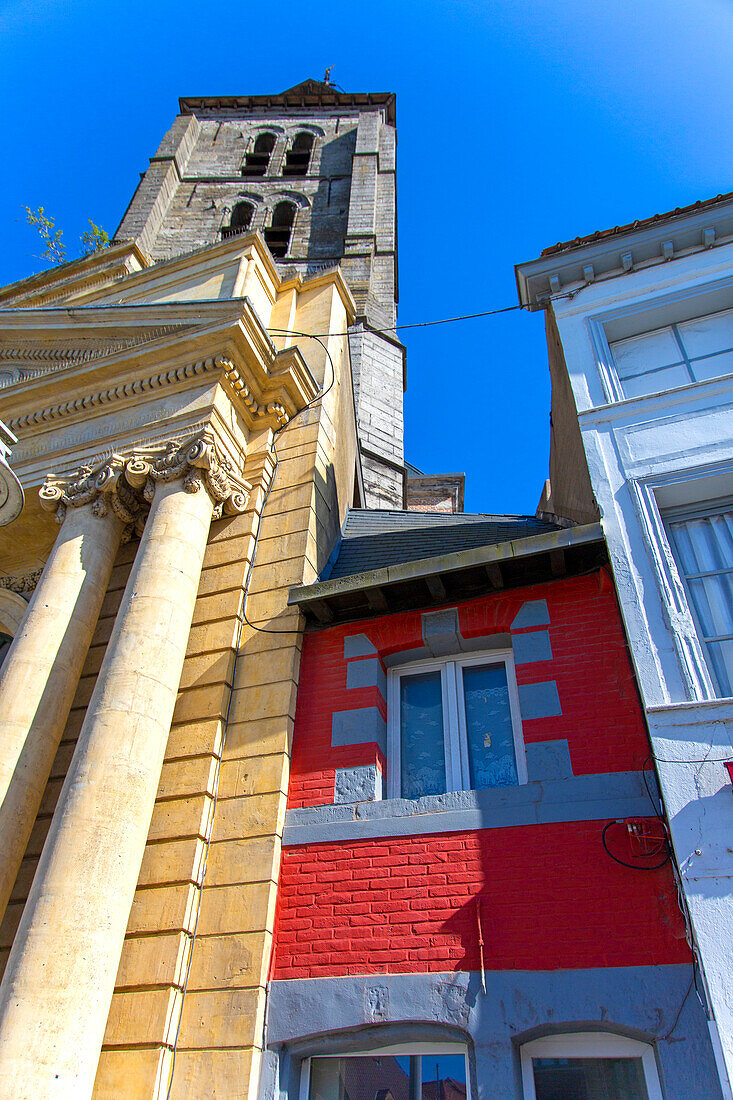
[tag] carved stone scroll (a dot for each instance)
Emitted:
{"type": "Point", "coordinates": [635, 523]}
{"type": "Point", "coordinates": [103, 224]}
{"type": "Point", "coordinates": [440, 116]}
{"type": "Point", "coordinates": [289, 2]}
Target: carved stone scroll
{"type": "Point", "coordinates": [125, 486]}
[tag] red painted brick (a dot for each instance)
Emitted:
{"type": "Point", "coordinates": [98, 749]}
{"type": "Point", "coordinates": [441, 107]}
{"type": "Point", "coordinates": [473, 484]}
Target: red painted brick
{"type": "Point", "coordinates": [601, 717]}
{"type": "Point", "coordinates": [550, 898]}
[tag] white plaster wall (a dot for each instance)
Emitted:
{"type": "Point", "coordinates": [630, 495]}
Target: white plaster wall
{"type": "Point", "coordinates": [677, 445]}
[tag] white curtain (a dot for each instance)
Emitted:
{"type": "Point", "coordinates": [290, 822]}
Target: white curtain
{"type": "Point", "coordinates": [704, 546]}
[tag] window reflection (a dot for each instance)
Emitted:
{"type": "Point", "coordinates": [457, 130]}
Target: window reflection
{"type": "Point", "coordinates": [402, 1077]}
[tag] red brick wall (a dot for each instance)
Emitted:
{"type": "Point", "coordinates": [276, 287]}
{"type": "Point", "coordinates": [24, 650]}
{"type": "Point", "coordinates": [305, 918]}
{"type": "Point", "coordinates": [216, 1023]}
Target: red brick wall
{"type": "Point", "coordinates": [550, 898]}
{"type": "Point", "coordinates": [601, 717]}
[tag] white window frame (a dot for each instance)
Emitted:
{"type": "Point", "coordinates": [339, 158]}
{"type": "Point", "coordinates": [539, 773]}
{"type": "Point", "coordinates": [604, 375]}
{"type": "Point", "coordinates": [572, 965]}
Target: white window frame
{"type": "Point", "coordinates": [699, 510]}
{"type": "Point", "coordinates": [647, 315]}
{"type": "Point", "coordinates": [589, 1044]}
{"type": "Point", "coordinates": [400, 1050]}
{"type": "Point", "coordinates": [454, 716]}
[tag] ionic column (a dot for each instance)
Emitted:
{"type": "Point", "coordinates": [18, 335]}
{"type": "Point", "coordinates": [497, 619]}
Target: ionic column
{"type": "Point", "coordinates": [41, 671]}
{"type": "Point", "coordinates": [58, 985]}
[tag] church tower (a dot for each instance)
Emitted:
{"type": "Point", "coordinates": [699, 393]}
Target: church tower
{"type": "Point", "coordinates": [313, 170]}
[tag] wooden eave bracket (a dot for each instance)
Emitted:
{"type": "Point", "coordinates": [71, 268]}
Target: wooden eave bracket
{"type": "Point", "coordinates": [552, 546]}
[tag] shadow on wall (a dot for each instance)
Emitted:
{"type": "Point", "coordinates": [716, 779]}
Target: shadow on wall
{"type": "Point", "coordinates": [330, 210]}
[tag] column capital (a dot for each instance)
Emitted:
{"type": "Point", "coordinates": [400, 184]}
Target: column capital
{"type": "Point", "coordinates": [200, 464]}
{"type": "Point", "coordinates": [103, 485]}
{"type": "Point", "coordinates": [125, 486]}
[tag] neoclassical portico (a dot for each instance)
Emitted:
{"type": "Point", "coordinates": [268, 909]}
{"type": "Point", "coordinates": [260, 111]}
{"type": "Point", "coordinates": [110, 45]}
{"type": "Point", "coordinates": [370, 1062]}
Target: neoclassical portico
{"type": "Point", "coordinates": [143, 419]}
{"type": "Point", "coordinates": [73, 926]}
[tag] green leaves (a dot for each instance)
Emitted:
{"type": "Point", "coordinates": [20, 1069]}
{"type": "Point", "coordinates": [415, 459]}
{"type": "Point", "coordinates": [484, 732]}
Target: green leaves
{"type": "Point", "coordinates": [49, 234]}
{"type": "Point", "coordinates": [93, 240]}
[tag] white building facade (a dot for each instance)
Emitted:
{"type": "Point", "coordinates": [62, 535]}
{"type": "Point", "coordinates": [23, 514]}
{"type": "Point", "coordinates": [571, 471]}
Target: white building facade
{"type": "Point", "coordinates": [640, 335]}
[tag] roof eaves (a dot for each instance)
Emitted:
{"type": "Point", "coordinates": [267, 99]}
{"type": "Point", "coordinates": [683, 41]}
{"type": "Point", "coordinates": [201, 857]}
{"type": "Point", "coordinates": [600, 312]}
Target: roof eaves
{"type": "Point", "coordinates": [446, 563]}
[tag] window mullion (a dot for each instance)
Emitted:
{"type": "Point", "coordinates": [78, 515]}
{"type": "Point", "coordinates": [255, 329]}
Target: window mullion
{"type": "Point", "coordinates": [462, 734]}
{"type": "Point", "coordinates": [451, 727]}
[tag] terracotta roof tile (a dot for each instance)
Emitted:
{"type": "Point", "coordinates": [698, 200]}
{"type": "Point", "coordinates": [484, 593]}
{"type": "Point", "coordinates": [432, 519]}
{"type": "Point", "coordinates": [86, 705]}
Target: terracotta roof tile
{"type": "Point", "coordinates": [644, 223]}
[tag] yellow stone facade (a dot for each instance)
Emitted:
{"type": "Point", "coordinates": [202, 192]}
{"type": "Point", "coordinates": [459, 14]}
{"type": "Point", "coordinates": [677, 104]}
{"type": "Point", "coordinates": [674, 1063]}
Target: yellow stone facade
{"type": "Point", "coordinates": [138, 927]}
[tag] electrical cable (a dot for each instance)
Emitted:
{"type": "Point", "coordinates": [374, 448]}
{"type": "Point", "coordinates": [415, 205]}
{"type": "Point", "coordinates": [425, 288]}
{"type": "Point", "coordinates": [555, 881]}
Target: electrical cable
{"type": "Point", "coordinates": [241, 620]}
{"type": "Point", "coordinates": [634, 866]}
{"type": "Point", "coordinates": [669, 1033]}
{"type": "Point", "coordinates": [318, 397]}
{"type": "Point", "coordinates": [420, 324]}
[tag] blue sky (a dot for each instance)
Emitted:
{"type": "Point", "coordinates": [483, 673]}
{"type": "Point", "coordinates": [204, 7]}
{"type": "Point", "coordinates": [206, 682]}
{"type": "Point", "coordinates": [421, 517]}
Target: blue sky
{"type": "Point", "coordinates": [519, 124]}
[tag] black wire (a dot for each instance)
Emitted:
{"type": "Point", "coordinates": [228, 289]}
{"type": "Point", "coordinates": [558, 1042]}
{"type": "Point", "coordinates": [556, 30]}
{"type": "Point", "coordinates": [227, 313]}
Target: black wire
{"type": "Point", "coordinates": [633, 866]}
{"type": "Point", "coordinates": [658, 809]}
{"type": "Point", "coordinates": [318, 397]}
{"type": "Point", "coordinates": [693, 982]}
{"type": "Point", "coordinates": [242, 619]}
{"type": "Point", "coordinates": [415, 324]}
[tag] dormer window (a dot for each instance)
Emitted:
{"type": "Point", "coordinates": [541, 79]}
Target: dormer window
{"type": "Point", "coordinates": [279, 232]}
{"type": "Point", "coordinates": [298, 157]}
{"type": "Point", "coordinates": [241, 219]}
{"type": "Point", "coordinates": [257, 162]}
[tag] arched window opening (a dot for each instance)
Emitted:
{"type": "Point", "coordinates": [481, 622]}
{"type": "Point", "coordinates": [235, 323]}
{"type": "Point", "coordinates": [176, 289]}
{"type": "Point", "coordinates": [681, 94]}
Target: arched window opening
{"type": "Point", "coordinates": [257, 162]}
{"type": "Point", "coordinates": [240, 221]}
{"type": "Point", "coordinates": [589, 1064]}
{"type": "Point", "coordinates": [298, 157]}
{"type": "Point", "coordinates": [277, 235]}
{"type": "Point", "coordinates": [5, 641]}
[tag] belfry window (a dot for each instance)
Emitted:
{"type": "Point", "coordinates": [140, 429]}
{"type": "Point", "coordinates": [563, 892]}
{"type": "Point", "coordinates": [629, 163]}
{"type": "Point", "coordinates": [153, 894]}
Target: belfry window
{"type": "Point", "coordinates": [279, 232]}
{"type": "Point", "coordinates": [241, 219]}
{"type": "Point", "coordinates": [257, 162]}
{"type": "Point", "coordinates": [298, 157]}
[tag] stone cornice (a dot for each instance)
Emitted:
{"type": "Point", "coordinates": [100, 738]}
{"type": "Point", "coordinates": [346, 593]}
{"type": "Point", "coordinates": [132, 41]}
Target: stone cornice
{"type": "Point", "coordinates": [81, 405]}
{"type": "Point", "coordinates": [274, 399]}
{"type": "Point", "coordinates": [105, 267]}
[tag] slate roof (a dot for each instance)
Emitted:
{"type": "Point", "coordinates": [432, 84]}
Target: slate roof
{"type": "Point", "coordinates": [644, 223]}
{"type": "Point", "coordinates": [373, 538]}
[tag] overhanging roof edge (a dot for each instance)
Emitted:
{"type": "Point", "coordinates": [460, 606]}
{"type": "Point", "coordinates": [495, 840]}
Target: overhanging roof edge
{"type": "Point", "coordinates": [447, 563]}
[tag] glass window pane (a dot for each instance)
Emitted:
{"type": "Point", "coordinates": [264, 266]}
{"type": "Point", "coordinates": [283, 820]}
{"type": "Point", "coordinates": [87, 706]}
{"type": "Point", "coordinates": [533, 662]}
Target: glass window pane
{"type": "Point", "coordinates": [443, 1077]}
{"type": "Point", "coordinates": [721, 658]}
{"type": "Point", "coordinates": [647, 352]}
{"type": "Point", "coordinates": [713, 366]}
{"type": "Point", "coordinates": [705, 544]}
{"type": "Point", "coordinates": [360, 1078]}
{"type": "Point", "coordinates": [422, 743]}
{"type": "Point", "coordinates": [589, 1079]}
{"type": "Point", "coordinates": [656, 382]}
{"type": "Point", "coordinates": [707, 334]}
{"type": "Point", "coordinates": [489, 732]}
{"type": "Point", "coordinates": [713, 601]}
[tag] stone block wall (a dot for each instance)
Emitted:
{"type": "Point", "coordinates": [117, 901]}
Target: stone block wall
{"type": "Point", "coordinates": [345, 214]}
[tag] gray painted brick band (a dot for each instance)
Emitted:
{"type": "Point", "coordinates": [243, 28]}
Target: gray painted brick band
{"type": "Point", "coordinates": [580, 798]}
{"type": "Point", "coordinates": [533, 646]}
{"type": "Point", "coordinates": [360, 784]}
{"type": "Point", "coordinates": [539, 700]}
{"type": "Point", "coordinates": [441, 633]}
{"type": "Point", "coordinates": [355, 1013]}
{"type": "Point", "coordinates": [548, 760]}
{"type": "Point", "coordinates": [359, 727]}
{"type": "Point", "coordinates": [367, 673]}
{"type": "Point", "coordinates": [531, 613]}
{"type": "Point", "coordinates": [358, 645]}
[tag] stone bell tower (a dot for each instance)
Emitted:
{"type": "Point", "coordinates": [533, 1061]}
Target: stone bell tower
{"type": "Point", "coordinates": [312, 169]}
